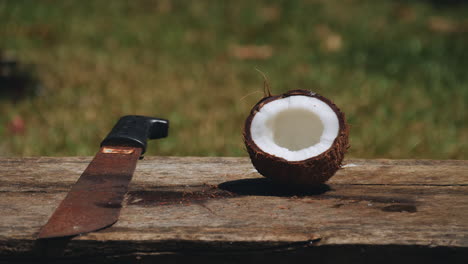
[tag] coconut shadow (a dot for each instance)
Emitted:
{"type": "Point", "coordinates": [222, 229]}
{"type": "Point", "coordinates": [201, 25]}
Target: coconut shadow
{"type": "Point", "coordinates": [266, 187]}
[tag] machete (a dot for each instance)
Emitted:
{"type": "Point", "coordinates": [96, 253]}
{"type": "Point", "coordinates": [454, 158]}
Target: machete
{"type": "Point", "coordinates": [94, 201]}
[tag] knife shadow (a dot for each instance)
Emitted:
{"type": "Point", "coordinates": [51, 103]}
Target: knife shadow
{"type": "Point", "coordinates": [51, 247]}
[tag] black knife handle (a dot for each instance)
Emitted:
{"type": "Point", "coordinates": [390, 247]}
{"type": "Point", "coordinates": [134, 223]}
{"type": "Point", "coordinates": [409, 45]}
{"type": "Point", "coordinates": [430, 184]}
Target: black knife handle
{"type": "Point", "coordinates": [134, 131]}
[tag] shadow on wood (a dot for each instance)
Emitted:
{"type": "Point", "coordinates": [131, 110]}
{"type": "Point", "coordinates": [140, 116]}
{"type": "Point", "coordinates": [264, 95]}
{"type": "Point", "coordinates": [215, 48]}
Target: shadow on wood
{"type": "Point", "coordinates": [293, 253]}
{"type": "Point", "coordinates": [266, 187]}
{"type": "Point", "coordinates": [50, 247]}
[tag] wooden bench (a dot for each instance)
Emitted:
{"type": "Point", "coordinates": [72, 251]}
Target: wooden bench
{"type": "Point", "coordinates": [216, 210]}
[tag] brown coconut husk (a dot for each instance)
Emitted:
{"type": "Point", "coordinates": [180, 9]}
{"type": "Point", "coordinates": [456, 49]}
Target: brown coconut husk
{"type": "Point", "coordinates": [311, 172]}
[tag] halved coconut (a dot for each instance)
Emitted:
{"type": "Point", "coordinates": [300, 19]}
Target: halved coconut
{"type": "Point", "coordinates": [298, 137]}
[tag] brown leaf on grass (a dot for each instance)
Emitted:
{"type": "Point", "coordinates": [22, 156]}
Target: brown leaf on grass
{"type": "Point", "coordinates": [193, 36]}
{"type": "Point", "coordinates": [333, 43]}
{"type": "Point", "coordinates": [164, 6]}
{"type": "Point", "coordinates": [302, 69]}
{"type": "Point", "coordinates": [404, 13]}
{"type": "Point", "coordinates": [330, 41]}
{"type": "Point", "coordinates": [251, 52]}
{"type": "Point", "coordinates": [42, 31]}
{"type": "Point", "coordinates": [16, 126]}
{"type": "Point", "coordinates": [446, 25]}
{"type": "Point", "coordinates": [270, 13]}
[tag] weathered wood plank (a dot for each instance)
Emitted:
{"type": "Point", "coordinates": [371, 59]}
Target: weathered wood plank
{"type": "Point", "coordinates": [177, 204]}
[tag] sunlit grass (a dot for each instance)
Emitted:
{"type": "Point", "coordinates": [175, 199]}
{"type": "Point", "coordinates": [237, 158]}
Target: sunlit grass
{"type": "Point", "coordinates": [402, 83]}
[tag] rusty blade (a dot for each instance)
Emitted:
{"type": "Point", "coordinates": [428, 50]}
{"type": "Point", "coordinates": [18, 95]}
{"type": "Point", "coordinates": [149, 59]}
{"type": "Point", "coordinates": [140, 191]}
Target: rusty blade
{"type": "Point", "coordinates": [95, 200]}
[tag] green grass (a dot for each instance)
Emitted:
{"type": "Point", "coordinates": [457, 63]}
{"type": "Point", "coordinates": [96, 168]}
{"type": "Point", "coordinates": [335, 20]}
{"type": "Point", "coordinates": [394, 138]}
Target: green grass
{"type": "Point", "coordinates": [402, 82]}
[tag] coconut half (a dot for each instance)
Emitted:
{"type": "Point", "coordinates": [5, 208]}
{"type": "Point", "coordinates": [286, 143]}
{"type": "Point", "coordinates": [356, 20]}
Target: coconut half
{"type": "Point", "coordinates": [298, 137]}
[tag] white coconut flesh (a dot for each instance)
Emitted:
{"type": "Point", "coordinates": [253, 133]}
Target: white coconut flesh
{"type": "Point", "coordinates": [295, 128]}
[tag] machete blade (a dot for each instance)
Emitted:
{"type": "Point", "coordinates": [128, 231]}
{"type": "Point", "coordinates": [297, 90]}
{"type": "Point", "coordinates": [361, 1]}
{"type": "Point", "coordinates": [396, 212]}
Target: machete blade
{"type": "Point", "coordinates": [95, 200]}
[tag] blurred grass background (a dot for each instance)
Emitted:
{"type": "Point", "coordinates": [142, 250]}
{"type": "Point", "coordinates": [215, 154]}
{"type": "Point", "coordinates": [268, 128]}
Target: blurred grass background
{"type": "Point", "coordinates": [398, 69]}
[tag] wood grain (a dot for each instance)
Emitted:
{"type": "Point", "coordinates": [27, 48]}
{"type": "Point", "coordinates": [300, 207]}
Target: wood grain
{"type": "Point", "coordinates": [211, 206]}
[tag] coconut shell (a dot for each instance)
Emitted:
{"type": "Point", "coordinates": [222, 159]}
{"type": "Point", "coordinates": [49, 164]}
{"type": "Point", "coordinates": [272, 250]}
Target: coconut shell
{"type": "Point", "coordinates": [311, 172]}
